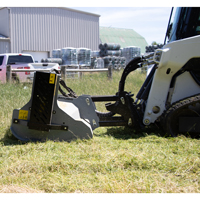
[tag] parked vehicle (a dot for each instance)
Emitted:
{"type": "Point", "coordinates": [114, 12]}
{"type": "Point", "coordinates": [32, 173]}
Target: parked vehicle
{"type": "Point", "coordinates": [21, 61]}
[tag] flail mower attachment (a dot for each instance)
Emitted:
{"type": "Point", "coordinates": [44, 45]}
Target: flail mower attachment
{"type": "Point", "coordinates": [49, 116]}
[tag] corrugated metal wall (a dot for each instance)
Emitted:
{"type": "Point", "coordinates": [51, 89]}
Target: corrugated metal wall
{"type": "Point", "coordinates": [45, 29]}
{"type": "Point", "coordinates": [4, 46]}
{"type": "Point", "coordinates": [4, 22]}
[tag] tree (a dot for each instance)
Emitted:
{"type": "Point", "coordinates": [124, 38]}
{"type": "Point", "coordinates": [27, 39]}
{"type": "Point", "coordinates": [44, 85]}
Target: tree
{"type": "Point", "coordinates": [154, 43]}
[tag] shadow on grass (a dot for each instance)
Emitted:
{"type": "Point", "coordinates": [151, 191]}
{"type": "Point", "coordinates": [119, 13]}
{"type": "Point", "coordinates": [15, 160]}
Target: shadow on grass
{"type": "Point", "coordinates": [9, 139]}
{"type": "Point", "coordinates": [123, 133]}
{"type": "Point", "coordinates": [126, 133]}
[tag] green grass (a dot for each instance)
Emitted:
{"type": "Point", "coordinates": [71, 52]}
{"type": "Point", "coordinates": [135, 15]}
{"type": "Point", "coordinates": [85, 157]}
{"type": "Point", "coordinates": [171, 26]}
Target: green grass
{"type": "Point", "coordinates": [116, 160]}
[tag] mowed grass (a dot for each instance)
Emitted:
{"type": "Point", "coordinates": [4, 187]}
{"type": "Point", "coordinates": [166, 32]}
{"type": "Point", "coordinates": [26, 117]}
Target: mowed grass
{"type": "Point", "coordinates": [115, 160]}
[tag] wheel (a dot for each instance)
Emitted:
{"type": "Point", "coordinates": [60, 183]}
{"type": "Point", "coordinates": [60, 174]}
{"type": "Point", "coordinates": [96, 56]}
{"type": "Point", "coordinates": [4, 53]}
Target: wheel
{"type": "Point", "coordinates": [172, 121]}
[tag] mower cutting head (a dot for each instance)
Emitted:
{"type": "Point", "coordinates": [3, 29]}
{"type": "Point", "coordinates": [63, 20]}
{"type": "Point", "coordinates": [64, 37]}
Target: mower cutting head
{"type": "Point", "coordinates": [51, 116]}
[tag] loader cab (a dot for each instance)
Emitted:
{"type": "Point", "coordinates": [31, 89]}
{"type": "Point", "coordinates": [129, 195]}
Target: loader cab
{"type": "Point", "coordinates": [184, 22]}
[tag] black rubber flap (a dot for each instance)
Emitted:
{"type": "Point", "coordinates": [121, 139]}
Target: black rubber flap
{"type": "Point", "coordinates": [42, 101]}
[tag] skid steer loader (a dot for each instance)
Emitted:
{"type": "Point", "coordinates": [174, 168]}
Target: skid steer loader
{"type": "Point", "coordinates": [169, 97]}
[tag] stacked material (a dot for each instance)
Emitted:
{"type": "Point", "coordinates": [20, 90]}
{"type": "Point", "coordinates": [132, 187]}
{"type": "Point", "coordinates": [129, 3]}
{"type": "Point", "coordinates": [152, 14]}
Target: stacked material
{"type": "Point", "coordinates": [94, 56]}
{"type": "Point", "coordinates": [84, 56]}
{"type": "Point", "coordinates": [123, 62]}
{"type": "Point", "coordinates": [108, 60]}
{"type": "Point", "coordinates": [152, 48]}
{"type": "Point", "coordinates": [98, 63]}
{"type": "Point", "coordinates": [131, 52]}
{"type": "Point", "coordinates": [56, 53]}
{"type": "Point", "coordinates": [109, 49]}
{"type": "Point", "coordinates": [88, 57]}
{"type": "Point", "coordinates": [69, 56]}
{"type": "Point", "coordinates": [116, 62]}
{"type": "Point", "coordinates": [112, 55]}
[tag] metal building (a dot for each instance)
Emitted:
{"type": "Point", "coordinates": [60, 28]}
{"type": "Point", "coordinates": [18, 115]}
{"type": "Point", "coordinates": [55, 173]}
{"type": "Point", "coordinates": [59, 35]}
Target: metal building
{"type": "Point", "coordinates": [124, 37]}
{"type": "Point", "coordinates": [39, 30]}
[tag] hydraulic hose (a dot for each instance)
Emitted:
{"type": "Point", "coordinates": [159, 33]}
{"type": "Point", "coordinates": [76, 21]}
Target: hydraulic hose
{"type": "Point", "coordinates": [131, 66]}
{"type": "Point", "coordinates": [104, 114]}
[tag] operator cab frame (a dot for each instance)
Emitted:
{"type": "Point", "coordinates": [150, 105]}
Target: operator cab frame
{"type": "Point", "coordinates": [184, 22]}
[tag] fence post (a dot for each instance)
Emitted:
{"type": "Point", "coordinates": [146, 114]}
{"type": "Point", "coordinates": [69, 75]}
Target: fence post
{"type": "Point", "coordinates": [110, 72]}
{"type": "Point", "coordinates": [8, 73]}
{"type": "Point", "coordinates": [80, 73]}
{"type": "Point", "coordinates": [63, 72]}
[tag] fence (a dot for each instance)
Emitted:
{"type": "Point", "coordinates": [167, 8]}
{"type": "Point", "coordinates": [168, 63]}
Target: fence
{"type": "Point", "coordinates": [63, 71]}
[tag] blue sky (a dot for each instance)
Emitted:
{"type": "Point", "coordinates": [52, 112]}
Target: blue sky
{"type": "Point", "coordinates": [150, 22]}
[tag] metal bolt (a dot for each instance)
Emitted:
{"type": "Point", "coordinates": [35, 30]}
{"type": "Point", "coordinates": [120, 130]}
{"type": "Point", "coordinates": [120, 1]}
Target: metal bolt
{"type": "Point", "coordinates": [54, 112]}
{"type": "Point", "coordinates": [129, 121]}
{"type": "Point", "coordinates": [122, 100]}
{"type": "Point", "coordinates": [94, 122]}
{"type": "Point", "coordinates": [88, 101]}
{"type": "Point", "coordinates": [65, 128]}
{"type": "Point", "coordinates": [146, 121]}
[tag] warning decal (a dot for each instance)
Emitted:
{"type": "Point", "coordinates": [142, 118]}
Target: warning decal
{"type": "Point", "coordinates": [23, 114]}
{"type": "Point", "coordinates": [52, 78]}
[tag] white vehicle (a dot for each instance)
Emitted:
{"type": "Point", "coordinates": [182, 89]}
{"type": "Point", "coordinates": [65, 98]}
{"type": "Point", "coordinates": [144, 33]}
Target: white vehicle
{"type": "Point", "coordinates": [21, 61]}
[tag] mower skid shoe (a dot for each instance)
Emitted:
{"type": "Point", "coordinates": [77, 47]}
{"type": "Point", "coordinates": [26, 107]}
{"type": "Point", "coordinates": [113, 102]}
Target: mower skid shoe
{"type": "Point", "coordinates": [47, 117]}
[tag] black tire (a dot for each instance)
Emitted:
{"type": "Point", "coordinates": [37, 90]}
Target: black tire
{"type": "Point", "coordinates": [171, 117]}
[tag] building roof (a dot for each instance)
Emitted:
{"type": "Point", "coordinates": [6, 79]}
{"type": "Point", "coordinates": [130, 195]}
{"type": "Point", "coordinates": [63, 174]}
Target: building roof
{"type": "Point", "coordinates": [3, 37]}
{"type": "Point", "coordinates": [124, 37]}
{"type": "Point", "coordinates": [84, 12]}
{"type": "Point", "coordinates": [71, 9]}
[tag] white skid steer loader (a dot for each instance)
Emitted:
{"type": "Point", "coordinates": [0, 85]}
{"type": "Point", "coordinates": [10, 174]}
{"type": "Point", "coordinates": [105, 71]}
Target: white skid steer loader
{"type": "Point", "coordinates": [169, 97]}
